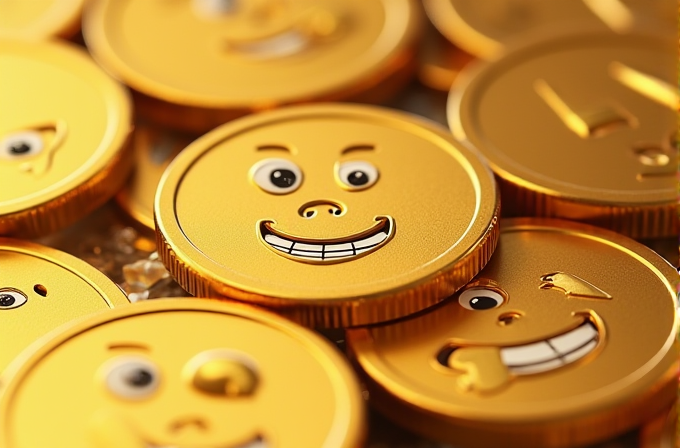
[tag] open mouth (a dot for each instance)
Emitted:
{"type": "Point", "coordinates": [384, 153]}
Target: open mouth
{"type": "Point", "coordinates": [331, 250]}
{"type": "Point", "coordinates": [280, 45]}
{"type": "Point", "coordinates": [258, 442]}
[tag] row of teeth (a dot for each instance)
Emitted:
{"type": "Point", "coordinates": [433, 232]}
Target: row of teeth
{"type": "Point", "coordinates": [257, 443]}
{"type": "Point", "coordinates": [285, 44]}
{"type": "Point", "coordinates": [325, 251]}
{"type": "Point", "coordinates": [551, 353]}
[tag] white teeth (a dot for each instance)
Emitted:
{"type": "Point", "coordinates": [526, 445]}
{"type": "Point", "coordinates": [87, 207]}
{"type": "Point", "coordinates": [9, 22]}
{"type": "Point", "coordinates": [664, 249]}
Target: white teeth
{"type": "Point", "coordinates": [334, 247]}
{"type": "Point", "coordinates": [309, 247]}
{"type": "Point", "coordinates": [276, 241]}
{"type": "Point", "coordinates": [284, 44]}
{"type": "Point", "coordinates": [552, 353]}
{"type": "Point", "coordinates": [307, 254]}
{"type": "Point", "coordinates": [371, 241]}
{"type": "Point", "coordinates": [345, 253]}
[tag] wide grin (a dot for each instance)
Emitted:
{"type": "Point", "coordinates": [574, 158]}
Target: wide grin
{"type": "Point", "coordinates": [279, 45]}
{"type": "Point", "coordinates": [258, 442]}
{"type": "Point", "coordinates": [552, 353]}
{"type": "Point", "coordinates": [328, 251]}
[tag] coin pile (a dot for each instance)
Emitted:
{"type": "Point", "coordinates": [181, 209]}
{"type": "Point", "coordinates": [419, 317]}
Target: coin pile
{"type": "Point", "coordinates": [294, 256]}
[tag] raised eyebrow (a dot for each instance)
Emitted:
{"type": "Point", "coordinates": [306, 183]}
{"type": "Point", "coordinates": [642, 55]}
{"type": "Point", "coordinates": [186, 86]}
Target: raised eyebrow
{"type": "Point", "coordinates": [274, 148]}
{"type": "Point", "coordinates": [128, 346]}
{"type": "Point", "coordinates": [358, 147]}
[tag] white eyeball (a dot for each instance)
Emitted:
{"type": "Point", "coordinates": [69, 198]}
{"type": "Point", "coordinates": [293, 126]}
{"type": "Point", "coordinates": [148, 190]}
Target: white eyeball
{"type": "Point", "coordinates": [132, 378]}
{"type": "Point", "coordinates": [357, 175]}
{"type": "Point", "coordinates": [479, 299]}
{"type": "Point", "coordinates": [21, 144]}
{"type": "Point", "coordinates": [277, 176]}
{"type": "Point", "coordinates": [11, 299]}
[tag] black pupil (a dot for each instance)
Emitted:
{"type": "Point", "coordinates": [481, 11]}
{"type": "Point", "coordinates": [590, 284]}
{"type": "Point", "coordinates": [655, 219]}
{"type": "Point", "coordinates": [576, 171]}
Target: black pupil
{"type": "Point", "coordinates": [283, 178]}
{"type": "Point", "coordinates": [19, 148]}
{"type": "Point", "coordinates": [139, 378]}
{"type": "Point", "coordinates": [6, 300]}
{"type": "Point", "coordinates": [357, 178]}
{"type": "Point", "coordinates": [482, 303]}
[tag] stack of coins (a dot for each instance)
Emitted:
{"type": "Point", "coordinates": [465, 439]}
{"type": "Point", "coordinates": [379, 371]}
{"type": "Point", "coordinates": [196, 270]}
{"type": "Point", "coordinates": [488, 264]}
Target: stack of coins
{"type": "Point", "coordinates": [339, 224]}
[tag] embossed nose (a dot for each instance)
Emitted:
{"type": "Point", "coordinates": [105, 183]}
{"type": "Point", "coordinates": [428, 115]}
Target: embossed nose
{"type": "Point", "coordinates": [225, 377]}
{"type": "Point", "coordinates": [313, 209]}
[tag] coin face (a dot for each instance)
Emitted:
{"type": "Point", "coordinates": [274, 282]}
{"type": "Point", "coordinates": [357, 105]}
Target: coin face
{"type": "Point", "coordinates": [603, 106]}
{"type": "Point", "coordinates": [40, 19]}
{"type": "Point", "coordinates": [42, 289]}
{"type": "Point", "coordinates": [341, 214]}
{"type": "Point", "coordinates": [214, 60]}
{"type": "Point", "coordinates": [485, 28]}
{"type": "Point", "coordinates": [63, 127]}
{"type": "Point", "coordinates": [234, 376]}
{"type": "Point", "coordinates": [154, 149]}
{"type": "Point", "coordinates": [542, 349]}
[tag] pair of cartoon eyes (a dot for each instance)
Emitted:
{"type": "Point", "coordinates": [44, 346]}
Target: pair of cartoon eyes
{"type": "Point", "coordinates": [281, 176]}
{"type": "Point", "coordinates": [480, 299]}
{"type": "Point", "coordinates": [21, 144]}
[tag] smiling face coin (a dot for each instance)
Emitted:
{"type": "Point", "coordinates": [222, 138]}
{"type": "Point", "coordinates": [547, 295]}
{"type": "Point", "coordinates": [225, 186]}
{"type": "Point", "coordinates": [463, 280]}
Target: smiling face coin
{"type": "Point", "coordinates": [232, 377]}
{"type": "Point", "coordinates": [542, 349]}
{"type": "Point", "coordinates": [41, 289]}
{"type": "Point", "coordinates": [335, 214]}
{"type": "Point", "coordinates": [208, 61]}
{"type": "Point", "coordinates": [593, 143]}
{"type": "Point", "coordinates": [63, 128]}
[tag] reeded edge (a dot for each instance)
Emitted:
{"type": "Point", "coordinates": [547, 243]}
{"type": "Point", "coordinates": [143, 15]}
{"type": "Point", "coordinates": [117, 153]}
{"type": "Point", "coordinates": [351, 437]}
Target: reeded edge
{"type": "Point", "coordinates": [335, 365]}
{"type": "Point", "coordinates": [481, 429]}
{"type": "Point", "coordinates": [71, 201]}
{"type": "Point", "coordinates": [323, 313]}
{"type": "Point", "coordinates": [650, 219]}
{"type": "Point", "coordinates": [661, 432]}
{"type": "Point", "coordinates": [106, 287]}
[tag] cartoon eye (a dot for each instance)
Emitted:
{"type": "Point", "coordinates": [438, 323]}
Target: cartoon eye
{"type": "Point", "coordinates": [21, 144]}
{"type": "Point", "coordinates": [478, 299]}
{"type": "Point", "coordinates": [132, 378]}
{"type": "Point", "coordinates": [11, 299]}
{"type": "Point", "coordinates": [277, 176]}
{"type": "Point", "coordinates": [357, 175]}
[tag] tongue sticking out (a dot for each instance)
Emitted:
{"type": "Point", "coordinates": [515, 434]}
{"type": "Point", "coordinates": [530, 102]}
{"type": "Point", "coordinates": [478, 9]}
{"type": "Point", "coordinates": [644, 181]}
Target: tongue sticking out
{"type": "Point", "coordinates": [483, 368]}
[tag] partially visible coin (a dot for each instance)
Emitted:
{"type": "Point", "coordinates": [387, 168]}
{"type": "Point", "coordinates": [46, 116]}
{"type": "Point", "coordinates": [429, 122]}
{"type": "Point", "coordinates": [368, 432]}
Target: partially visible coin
{"type": "Point", "coordinates": [39, 19]}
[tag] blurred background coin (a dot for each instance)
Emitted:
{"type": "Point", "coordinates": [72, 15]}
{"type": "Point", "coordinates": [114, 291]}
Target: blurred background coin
{"type": "Point", "coordinates": [64, 126]}
{"type": "Point", "coordinates": [177, 372]}
{"type": "Point", "coordinates": [333, 214]}
{"type": "Point", "coordinates": [40, 19]}
{"type": "Point", "coordinates": [42, 288]}
{"type": "Point", "coordinates": [196, 64]}
{"type": "Point", "coordinates": [663, 431]}
{"type": "Point", "coordinates": [580, 127]}
{"type": "Point", "coordinates": [567, 337]}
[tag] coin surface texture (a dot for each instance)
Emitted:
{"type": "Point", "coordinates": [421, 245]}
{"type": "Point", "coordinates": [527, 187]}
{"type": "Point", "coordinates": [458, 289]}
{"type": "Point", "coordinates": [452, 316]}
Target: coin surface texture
{"type": "Point", "coordinates": [567, 337]}
{"type": "Point", "coordinates": [39, 19]}
{"type": "Point", "coordinates": [579, 127]}
{"type": "Point", "coordinates": [334, 214]}
{"type": "Point", "coordinates": [200, 63]}
{"type": "Point", "coordinates": [43, 288]}
{"type": "Point", "coordinates": [177, 372]}
{"type": "Point", "coordinates": [63, 130]}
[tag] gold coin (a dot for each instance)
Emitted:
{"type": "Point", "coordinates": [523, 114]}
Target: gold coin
{"type": "Point", "coordinates": [200, 63]}
{"type": "Point", "coordinates": [567, 337]}
{"type": "Point", "coordinates": [154, 148]}
{"type": "Point", "coordinates": [39, 19]}
{"type": "Point", "coordinates": [440, 62]}
{"type": "Point", "coordinates": [184, 373]}
{"type": "Point", "coordinates": [334, 214]}
{"type": "Point", "coordinates": [662, 432]}
{"type": "Point", "coordinates": [484, 28]}
{"type": "Point", "coordinates": [43, 288]}
{"type": "Point", "coordinates": [579, 127]}
{"type": "Point", "coordinates": [63, 128]}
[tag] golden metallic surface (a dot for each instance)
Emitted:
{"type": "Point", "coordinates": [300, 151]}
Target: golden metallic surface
{"type": "Point", "coordinates": [154, 149]}
{"type": "Point", "coordinates": [662, 432]}
{"type": "Point", "coordinates": [145, 375]}
{"type": "Point", "coordinates": [440, 62]}
{"type": "Point", "coordinates": [579, 127]}
{"type": "Point", "coordinates": [323, 251]}
{"type": "Point", "coordinates": [544, 360]}
{"type": "Point", "coordinates": [485, 28]}
{"type": "Point", "coordinates": [39, 19]}
{"type": "Point", "coordinates": [63, 130]}
{"type": "Point", "coordinates": [43, 288]}
{"type": "Point", "coordinates": [200, 63]}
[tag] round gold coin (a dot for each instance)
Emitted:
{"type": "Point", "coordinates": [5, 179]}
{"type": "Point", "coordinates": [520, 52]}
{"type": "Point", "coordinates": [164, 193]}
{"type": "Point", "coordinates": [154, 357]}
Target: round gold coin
{"type": "Point", "coordinates": [177, 372]}
{"type": "Point", "coordinates": [63, 130]}
{"type": "Point", "coordinates": [199, 63]}
{"type": "Point", "coordinates": [333, 214]}
{"type": "Point", "coordinates": [662, 432]}
{"type": "Point", "coordinates": [43, 288]}
{"type": "Point", "coordinates": [484, 28]}
{"type": "Point", "coordinates": [567, 337]}
{"type": "Point", "coordinates": [579, 127]}
{"type": "Point", "coordinates": [40, 19]}
{"type": "Point", "coordinates": [154, 148]}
